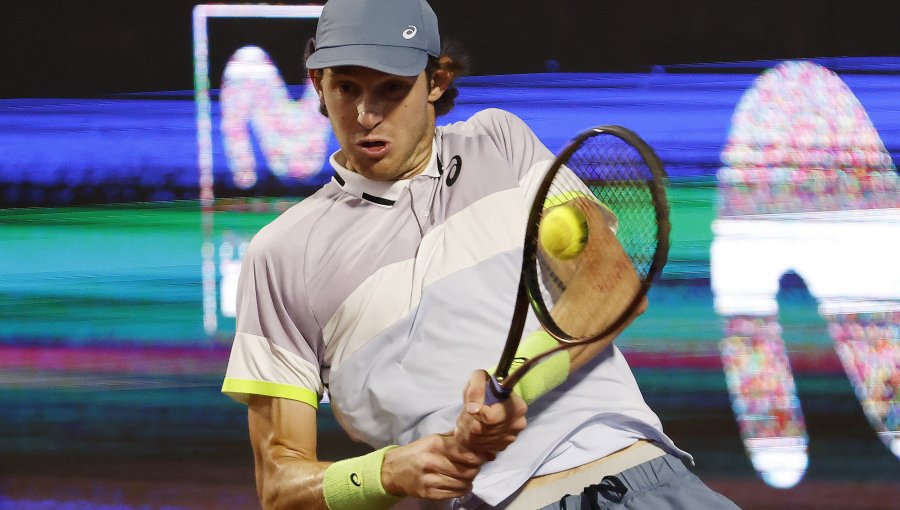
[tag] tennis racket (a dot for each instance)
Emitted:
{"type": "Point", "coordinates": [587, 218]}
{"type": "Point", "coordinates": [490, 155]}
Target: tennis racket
{"type": "Point", "coordinates": [618, 182]}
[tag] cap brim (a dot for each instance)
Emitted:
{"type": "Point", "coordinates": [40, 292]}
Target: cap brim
{"type": "Point", "coordinates": [387, 59]}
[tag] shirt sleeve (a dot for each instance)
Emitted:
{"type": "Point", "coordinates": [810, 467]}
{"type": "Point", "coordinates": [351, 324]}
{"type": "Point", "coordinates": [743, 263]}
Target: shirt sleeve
{"type": "Point", "coordinates": [270, 355]}
{"type": "Point", "coordinates": [524, 151]}
{"type": "Point", "coordinates": [531, 160]}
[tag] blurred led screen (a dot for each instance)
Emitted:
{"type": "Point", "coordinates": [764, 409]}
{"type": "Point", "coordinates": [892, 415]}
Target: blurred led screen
{"type": "Point", "coordinates": [125, 218]}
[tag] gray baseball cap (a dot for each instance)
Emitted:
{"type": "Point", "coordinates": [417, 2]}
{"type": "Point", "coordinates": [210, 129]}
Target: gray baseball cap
{"type": "Point", "coordinates": [392, 36]}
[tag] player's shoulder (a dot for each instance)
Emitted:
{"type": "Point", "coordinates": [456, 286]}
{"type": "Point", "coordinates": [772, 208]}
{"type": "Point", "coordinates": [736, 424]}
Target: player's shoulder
{"type": "Point", "coordinates": [493, 115]}
{"type": "Point", "coordinates": [492, 126]}
{"type": "Point", "coordinates": [291, 228]}
{"type": "Point", "coordinates": [487, 121]}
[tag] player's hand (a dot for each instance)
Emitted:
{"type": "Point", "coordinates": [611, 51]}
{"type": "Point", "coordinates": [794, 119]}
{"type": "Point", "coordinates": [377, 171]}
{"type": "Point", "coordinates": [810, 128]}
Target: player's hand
{"type": "Point", "coordinates": [488, 429]}
{"type": "Point", "coordinates": [433, 467]}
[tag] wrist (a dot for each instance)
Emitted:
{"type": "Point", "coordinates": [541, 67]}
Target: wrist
{"type": "Point", "coordinates": [357, 483]}
{"type": "Point", "coordinates": [387, 481]}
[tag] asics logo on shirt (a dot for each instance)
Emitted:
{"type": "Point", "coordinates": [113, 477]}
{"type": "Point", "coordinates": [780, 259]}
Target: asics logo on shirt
{"type": "Point", "coordinates": [453, 169]}
{"type": "Point", "coordinates": [410, 32]}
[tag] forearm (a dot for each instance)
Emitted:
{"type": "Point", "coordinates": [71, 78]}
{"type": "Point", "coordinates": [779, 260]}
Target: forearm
{"type": "Point", "coordinates": [580, 355]}
{"type": "Point", "coordinates": [289, 475]}
{"type": "Point", "coordinates": [568, 310]}
{"type": "Point", "coordinates": [434, 467]}
{"type": "Point", "coordinates": [285, 481]}
{"type": "Point", "coordinates": [283, 436]}
{"type": "Point", "coordinates": [554, 369]}
{"type": "Point", "coordinates": [602, 274]}
{"type": "Point", "coordinates": [288, 480]}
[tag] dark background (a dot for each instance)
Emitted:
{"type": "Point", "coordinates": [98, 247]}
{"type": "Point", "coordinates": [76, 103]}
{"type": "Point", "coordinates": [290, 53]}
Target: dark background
{"type": "Point", "coordinates": [94, 47]}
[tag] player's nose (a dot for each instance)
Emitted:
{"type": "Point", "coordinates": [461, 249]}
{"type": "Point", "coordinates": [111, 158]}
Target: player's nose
{"type": "Point", "coordinates": [369, 114]}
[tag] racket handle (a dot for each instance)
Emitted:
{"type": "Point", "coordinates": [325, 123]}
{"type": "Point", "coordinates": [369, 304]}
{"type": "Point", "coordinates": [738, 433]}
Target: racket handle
{"type": "Point", "coordinates": [495, 393]}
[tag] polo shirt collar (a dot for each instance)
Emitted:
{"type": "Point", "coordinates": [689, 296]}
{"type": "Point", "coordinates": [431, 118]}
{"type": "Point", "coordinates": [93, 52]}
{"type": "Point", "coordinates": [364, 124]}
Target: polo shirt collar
{"type": "Point", "coordinates": [383, 193]}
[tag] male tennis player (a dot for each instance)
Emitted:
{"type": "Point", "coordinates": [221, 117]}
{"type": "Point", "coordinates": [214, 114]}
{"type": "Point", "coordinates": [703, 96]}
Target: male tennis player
{"type": "Point", "coordinates": [394, 284]}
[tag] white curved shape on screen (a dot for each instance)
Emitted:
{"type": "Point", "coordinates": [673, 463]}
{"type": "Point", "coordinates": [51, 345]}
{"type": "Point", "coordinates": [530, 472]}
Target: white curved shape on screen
{"type": "Point", "coordinates": [807, 187]}
{"type": "Point", "coordinates": [293, 135]}
{"type": "Point", "coordinates": [847, 259]}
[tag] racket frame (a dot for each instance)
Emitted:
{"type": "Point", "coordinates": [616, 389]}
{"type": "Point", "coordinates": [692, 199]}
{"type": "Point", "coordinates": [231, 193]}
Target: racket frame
{"type": "Point", "coordinates": [528, 293]}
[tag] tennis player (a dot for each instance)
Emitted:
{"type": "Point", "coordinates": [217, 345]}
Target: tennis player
{"type": "Point", "coordinates": [394, 284]}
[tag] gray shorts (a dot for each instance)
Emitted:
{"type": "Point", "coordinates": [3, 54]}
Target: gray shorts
{"type": "Point", "coordinates": [658, 484]}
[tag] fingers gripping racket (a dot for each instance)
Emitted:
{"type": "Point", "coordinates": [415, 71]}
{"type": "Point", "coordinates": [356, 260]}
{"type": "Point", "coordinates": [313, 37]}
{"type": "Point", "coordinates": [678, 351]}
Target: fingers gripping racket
{"type": "Point", "coordinates": [616, 180]}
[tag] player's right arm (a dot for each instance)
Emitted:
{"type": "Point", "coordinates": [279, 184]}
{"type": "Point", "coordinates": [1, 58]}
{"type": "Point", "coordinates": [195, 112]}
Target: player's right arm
{"type": "Point", "coordinates": [289, 474]}
{"type": "Point", "coordinates": [283, 436]}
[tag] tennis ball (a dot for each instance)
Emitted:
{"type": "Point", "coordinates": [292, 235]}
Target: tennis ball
{"type": "Point", "coordinates": [563, 232]}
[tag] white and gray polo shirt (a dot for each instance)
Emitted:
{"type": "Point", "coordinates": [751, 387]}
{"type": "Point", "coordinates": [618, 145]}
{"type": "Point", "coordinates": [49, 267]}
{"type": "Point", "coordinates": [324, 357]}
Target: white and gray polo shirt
{"type": "Point", "coordinates": [392, 293]}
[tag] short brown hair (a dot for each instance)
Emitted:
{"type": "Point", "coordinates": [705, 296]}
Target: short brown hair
{"type": "Point", "coordinates": [453, 59]}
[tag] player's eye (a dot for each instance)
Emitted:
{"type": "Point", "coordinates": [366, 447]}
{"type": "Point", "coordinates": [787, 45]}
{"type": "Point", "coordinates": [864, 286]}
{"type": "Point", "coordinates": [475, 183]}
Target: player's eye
{"type": "Point", "coordinates": [396, 89]}
{"type": "Point", "coordinates": [345, 87]}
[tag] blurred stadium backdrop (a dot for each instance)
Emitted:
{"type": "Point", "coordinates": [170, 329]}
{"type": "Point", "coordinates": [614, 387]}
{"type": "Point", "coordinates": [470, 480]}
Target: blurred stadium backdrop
{"type": "Point", "coordinates": [771, 349]}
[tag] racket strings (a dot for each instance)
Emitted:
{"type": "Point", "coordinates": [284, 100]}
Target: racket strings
{"type": "Point", "coordinates": [554, 275]}
{"type": "Point", "coordinates": [620, 177]}
{"type": "Point", "coordinates": [608, 170]}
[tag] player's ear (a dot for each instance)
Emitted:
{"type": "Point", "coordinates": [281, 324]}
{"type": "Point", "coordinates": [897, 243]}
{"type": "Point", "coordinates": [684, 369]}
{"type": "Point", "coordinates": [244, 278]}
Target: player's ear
{"type": "Point", "coordinates": [315, 76]}
{"type": "Point", "coordinates": [439, 83]}
{"type": "Point", "coordinates": [442, 78]}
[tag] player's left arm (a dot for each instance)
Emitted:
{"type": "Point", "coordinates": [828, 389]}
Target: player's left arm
{"type": "Point", "coordinates": [611, 273]}
{"type": "Point", "coordinates": [600, 253]}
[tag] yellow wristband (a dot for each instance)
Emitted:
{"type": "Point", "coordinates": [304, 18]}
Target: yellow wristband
{"type": "Point", "coordinates": [547, 374]}
{"type": "Point", "coordinates": [355, 483]}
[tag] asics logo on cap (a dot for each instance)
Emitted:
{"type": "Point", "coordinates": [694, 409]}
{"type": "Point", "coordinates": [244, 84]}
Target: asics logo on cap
{"type": "Point", "coordinates": [410, 32]}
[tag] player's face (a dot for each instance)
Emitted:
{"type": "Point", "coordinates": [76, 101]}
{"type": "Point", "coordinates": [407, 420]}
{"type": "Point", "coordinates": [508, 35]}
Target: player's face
{"type": "Point", "coordinates": [383, 122]}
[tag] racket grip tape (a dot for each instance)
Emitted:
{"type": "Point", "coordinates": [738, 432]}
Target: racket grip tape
{"type": "Point", "coordinates": [494, 393]}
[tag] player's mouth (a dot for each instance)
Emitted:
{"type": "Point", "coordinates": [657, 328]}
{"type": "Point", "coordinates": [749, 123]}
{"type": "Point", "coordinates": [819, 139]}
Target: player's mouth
{"type": "Point", "coordinates": [373, 147]}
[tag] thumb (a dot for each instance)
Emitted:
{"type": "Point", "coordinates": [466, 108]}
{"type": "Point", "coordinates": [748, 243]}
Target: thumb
{"type": "Point", "coordinates": [473, 396]}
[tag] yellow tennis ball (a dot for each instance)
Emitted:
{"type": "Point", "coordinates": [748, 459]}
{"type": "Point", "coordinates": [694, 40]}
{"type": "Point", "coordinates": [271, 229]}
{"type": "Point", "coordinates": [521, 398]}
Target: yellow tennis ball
{"type": "Point", "coordinates": [563, 232]}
